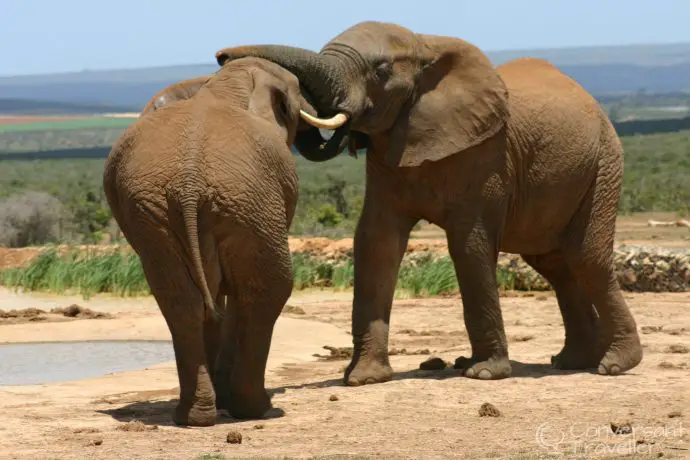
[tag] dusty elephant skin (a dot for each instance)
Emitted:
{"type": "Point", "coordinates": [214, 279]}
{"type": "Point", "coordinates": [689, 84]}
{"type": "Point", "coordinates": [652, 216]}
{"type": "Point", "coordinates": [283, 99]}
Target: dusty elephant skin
{"type": "Point", "coordinates": [518, 159]}
{"type": "Point", "coordinates": [204, 188]}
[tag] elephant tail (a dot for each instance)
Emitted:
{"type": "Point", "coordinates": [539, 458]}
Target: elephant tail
{"type": "Point", "coordinates": [190, 216]}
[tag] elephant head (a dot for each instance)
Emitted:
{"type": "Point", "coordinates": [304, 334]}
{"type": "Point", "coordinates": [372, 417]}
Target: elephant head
{"type": "Point", "coordinates": [428, 96]}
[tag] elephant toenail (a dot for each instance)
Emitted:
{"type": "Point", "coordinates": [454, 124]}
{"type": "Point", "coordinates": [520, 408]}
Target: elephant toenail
{"type": "Point", "coordinates": [353, 382]}
{"type": "Point", "coordinates": [484, 374]}
{"type": "Point", "coordinates": [469, 373]}
{"type": "Point", "coordinates": [602, 370]}
{"type": "Point", "coordinates": [615, 370]}
{"type": "Point", "coordinates": [369, 381]}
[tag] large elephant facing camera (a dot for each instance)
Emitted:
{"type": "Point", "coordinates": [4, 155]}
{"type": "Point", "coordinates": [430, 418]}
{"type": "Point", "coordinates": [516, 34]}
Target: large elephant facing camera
{"type": "Point", "coordinates": [518, 158]}
{"type": "Point", "coordinates": [204, 188]}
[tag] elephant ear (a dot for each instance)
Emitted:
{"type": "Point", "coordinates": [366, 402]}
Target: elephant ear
{"type": "Point", "coordinates": [461, 101]}
{"type": "Point", "coordinates": [184, 89]}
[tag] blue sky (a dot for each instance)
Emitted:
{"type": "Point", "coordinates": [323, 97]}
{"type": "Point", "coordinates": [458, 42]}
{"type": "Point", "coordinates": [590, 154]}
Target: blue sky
{"type": "Point", "coordinates": [47, 36]}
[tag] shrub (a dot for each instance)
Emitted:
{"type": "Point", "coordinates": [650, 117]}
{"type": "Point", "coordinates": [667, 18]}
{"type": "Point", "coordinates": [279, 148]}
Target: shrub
{"type": "Point", "coordinates": [32, 218]}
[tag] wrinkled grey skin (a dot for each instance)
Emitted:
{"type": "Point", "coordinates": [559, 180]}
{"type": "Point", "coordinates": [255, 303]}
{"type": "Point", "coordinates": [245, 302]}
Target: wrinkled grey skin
{"type": "Point", "coordinates": [518, 158]}
{"type": "Point", "coordinates": [204, 189]}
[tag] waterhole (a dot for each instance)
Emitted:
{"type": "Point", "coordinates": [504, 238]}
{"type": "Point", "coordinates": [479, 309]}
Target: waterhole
{"type": "Point", "coordinates": [37, 363]}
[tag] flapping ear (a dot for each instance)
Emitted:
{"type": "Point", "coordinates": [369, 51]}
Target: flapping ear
{"type": "Point", "coordinates": [461, 101]}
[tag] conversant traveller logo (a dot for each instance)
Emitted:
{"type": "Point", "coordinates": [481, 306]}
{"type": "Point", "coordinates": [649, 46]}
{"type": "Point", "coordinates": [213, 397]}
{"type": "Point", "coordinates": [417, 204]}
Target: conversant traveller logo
{"type": "Point", "coordinates": [582, 438]}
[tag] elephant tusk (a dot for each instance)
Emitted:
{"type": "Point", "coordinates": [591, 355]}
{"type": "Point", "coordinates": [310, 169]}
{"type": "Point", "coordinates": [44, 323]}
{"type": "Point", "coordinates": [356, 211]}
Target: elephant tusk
{"type": "Point", "coordinates": [331, 123]}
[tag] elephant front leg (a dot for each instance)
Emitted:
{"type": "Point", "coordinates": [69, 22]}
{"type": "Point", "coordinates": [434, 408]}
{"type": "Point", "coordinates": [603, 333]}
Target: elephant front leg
{"type": "Point", "coordinates": [474, 256]}
{"type": "Point", "coordinates": [379, 245]}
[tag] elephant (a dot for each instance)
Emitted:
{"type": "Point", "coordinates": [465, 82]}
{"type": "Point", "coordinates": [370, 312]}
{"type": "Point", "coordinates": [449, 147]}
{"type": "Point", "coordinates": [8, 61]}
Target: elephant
{"type": "Point", "coordinates": [516, 158]}
{"type": "Point", "coordinates": [204, 187]}
{"type": "Point", "coordinates": [184, 89]}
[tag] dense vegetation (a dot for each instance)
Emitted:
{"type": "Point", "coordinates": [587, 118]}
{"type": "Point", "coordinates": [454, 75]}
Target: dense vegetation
{"type": "Point", "coordinates": [657, 178]}
{"type": "Point", "coordinates": [120, 273]}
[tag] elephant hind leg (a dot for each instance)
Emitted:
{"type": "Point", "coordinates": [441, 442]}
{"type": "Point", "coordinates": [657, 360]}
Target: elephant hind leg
{"type": "Point", "coordinates": [260, 274]}
{"type": "Point", "coordinates": [588, 250]}
{"type": "Point", "coordinates": [580, 319]}
{"type": "Point", "coordinates": [183, 308]}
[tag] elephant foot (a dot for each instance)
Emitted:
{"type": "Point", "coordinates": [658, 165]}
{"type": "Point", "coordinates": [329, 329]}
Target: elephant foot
{"type": "Point", "coordinates": [575, 357]}
{"type": "Point", "coordinates": [491, 369]}
{"type": "Point", "coordinates": [367, 371]}
{"type": "Point", "coordinates": [246, 406]}
{"type": "Point", "coordinates": [621, 356]}
{"type": "Point", "coordinates": [195, 415]}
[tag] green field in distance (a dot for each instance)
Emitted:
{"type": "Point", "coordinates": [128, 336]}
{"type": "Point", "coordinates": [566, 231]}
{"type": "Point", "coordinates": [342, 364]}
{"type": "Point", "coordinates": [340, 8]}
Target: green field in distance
{"type": "Point", "coordinates": [62, 125]}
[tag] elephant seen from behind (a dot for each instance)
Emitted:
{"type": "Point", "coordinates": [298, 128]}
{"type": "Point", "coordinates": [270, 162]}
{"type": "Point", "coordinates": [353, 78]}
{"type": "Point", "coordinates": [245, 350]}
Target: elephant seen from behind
{"type": "Point", "coordinates": [204, 188]}
{"type": "Point", "coordinates": [518, 158]}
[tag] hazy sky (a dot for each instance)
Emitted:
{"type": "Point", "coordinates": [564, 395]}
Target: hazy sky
{"type": "Point", "coordinates": [45, 36]}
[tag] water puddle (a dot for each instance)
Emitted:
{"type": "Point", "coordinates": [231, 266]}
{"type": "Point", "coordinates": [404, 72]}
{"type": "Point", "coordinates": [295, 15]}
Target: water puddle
{"type": "Point", "coordinates": [37, 363]}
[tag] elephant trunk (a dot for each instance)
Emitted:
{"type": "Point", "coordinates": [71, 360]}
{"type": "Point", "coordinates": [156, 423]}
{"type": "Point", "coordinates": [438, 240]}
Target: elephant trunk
{"type": "Point", "coordinates": [320, 75]}
{"type": "Point", "coordinates": [322, 78]}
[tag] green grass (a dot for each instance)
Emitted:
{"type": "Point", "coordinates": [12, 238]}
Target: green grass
{"type": "Point", "coordinates": [80, 123]}
{"type": "Point", "coordinates": [43, 141]}
{"type": "Point", "coordinates": [120, 273]}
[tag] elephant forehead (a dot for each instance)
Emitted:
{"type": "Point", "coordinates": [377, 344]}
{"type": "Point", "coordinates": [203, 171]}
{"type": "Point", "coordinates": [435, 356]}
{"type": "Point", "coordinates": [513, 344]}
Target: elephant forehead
{"type": "Point", "coordinates": [373, 39]}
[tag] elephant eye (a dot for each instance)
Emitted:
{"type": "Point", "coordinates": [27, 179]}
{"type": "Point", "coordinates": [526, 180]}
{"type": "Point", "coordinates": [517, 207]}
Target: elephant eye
{"type": "Point", "coordinates": [383, 70]}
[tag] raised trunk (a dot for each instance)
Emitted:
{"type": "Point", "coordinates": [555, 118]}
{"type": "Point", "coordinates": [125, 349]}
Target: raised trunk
{"type": "Point", "coordinates": [322, 79]}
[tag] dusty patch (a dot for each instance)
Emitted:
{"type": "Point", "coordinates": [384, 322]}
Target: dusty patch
{"type": "Point", "coordinates": [137, 425]}
{"type": "Point", "coordinates": [419, 414]}
{"type": "Point", "coordinates": [26, 315]}
{"type": "Point", "coordinates": [678, 349]}
{"type": "Point", "coordinates": [292, 310]}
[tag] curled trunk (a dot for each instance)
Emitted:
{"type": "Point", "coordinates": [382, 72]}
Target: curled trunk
{"type": "Point", "coordinates": [320, 75]}
{"type": "Point", "coordinates": [322, 79]}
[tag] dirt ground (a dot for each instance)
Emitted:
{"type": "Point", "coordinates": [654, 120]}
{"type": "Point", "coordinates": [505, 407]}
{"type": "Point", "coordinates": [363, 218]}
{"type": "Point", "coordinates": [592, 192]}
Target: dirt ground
{"type": "Point", "coordinates": [537, 413]}
{"type": "Point", "coordinates": [420, 414]}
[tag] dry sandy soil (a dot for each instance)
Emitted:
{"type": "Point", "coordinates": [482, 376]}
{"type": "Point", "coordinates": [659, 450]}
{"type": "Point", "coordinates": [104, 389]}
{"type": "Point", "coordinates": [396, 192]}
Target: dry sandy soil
{"type": "Point", "coordinates": [420, 414]}
{"type": "Point", "coordinates": [542, 413]}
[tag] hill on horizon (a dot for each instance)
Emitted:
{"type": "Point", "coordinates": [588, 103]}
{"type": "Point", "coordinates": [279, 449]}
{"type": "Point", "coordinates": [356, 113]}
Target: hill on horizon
{"type": "Point", "coordinates": [602, 70]}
